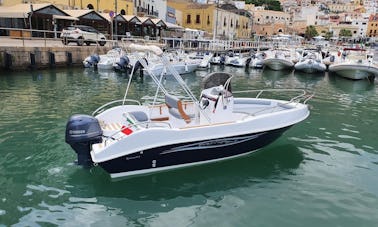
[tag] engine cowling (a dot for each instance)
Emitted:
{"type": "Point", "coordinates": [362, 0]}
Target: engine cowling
{"type": "Point", "coordinates": [81, 132]}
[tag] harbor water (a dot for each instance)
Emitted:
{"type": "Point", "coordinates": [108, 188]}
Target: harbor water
{"type": "Point", "coordinates": [321, 172]}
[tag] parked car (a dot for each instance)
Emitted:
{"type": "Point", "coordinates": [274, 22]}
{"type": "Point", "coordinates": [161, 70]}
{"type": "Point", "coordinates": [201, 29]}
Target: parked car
{"type": "Point", "coordinates": [81, 34]}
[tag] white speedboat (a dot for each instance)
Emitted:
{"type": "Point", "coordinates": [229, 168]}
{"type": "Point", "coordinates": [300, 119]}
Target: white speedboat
{"type": "Point", "coordinates": [205, 61]}
{"type": "Point", "coordinates": [256, 60]}
{"type": "Point", "coordinates": [355, 64]}
{"type": "Point", "coordinates": [112, 56]}
{"type": "Point", "coordinates": [239, 60]}
{"type": "Point", "coordinates": [133, 139]}
{"type": "Point", "coordinates": [218, 59]}
{"type": "Point", "coordinates": [181, 67]}
{"type": "Point", "coordinates": [311, 62]}
{"type": "Point", "coordinates": [279, 59]}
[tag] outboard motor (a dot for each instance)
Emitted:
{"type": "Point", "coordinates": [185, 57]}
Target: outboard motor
{"type": "Point", "coordinates": [138, 66]}
{"type": "Point", "coordinates": [222, 59]}
{"type": "Point", "coordinates": [249, 60]}
{"type": "Point", "coordinates": [81, 132]}
{"type": "Point", "coordinates": [91, 61]}
{"type": "Point", "coordinates": [122, 64]}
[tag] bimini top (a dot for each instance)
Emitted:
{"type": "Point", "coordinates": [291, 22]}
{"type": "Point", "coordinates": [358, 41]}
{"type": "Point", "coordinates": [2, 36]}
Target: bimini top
{"type": "Point", "coordinates": [217, 78]}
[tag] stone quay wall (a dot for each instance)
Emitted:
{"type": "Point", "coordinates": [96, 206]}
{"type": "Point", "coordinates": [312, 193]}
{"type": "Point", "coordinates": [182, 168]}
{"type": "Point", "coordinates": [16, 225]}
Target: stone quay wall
{"type": "Point", "coordinates": [26, 58]}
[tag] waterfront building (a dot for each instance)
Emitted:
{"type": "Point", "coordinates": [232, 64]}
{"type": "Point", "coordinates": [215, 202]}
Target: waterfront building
{"type": "Point", "coordinates": [361, 23]}
{"type": "Point", "coordinates": [38, 17]}
{"type": "Point", "coordinates": [51, 19]}
{"type": "Point", "coordinates": [151, 8]}
{"type": "Point", "coordinates": [91, 18]}
{"type": "Point", "coordinates": [342, 8]}
{"type": "Point", "coordinates": [124, 7]}
{"type": "Point", "coordinates": [269, 22]}
{"type": "Point", "coordinates": [220, 22]}
{"type": "Point", "coordinates": [372, 26]}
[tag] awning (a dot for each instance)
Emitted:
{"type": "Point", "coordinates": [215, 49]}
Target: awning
{"type": "Point", "coordinates": [174, 26]}
{"type": "Point", "coordinates": [5, 14]}
{"type": "Point", "coordinates": [60, 17]}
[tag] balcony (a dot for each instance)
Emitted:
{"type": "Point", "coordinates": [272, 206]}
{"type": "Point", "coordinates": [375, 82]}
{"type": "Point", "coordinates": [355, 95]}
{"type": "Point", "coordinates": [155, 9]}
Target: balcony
{"type": "Point", "coordinates": [144, 12]}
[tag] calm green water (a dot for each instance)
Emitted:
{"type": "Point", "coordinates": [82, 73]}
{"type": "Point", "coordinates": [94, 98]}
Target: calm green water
{"type": "Point", "coordinates": [322, 172]}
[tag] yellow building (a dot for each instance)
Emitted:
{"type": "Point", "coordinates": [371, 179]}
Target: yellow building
{"type": "Point", "coordinates": [125, 7]}
{"type": "Point", "coordinates": [195, 16]}
{"type": "Point", "coordinates": [209, 18]}
{"type": "Point", "coordinates": [372, 29]}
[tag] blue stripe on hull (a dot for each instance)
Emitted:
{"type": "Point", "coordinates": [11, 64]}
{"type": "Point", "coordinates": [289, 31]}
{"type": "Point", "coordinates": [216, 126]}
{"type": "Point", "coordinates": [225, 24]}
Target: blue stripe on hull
{"type": "Point", "coordinates": [193, 152]}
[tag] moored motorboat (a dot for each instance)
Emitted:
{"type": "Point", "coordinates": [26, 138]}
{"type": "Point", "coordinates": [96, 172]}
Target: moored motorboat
{"type": "Point", "coordinates": [112, 56]}
{"type": "Point", "coordinates": [355, 64]}
{"type": "Point", "coordinates": [311, 62]}
{"type": "Point", "coordinates": [133, 139]}
{"type": "Point", "coordinates": [279, 59]}
{"type": "Point", "coordinates": [256, 60]}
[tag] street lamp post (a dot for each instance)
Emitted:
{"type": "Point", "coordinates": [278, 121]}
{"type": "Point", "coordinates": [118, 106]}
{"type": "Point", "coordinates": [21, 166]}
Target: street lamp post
{"type": "Point", "coordinates": [30, 18]}
{"type": "Point", "coordinates": [216, 21]}
{"type": "Point", "coordinates": [115, 19]}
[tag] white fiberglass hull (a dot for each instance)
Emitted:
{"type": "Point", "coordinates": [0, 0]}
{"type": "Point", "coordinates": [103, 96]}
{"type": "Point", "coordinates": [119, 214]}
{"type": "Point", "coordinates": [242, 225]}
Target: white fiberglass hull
{"type": "Point", "coordinates": [169, 148]}
{"type": "Point", "coordinates": [278, 64]}
{"type": "Point", "coordinates": [354, 71]}
{"type": "Point", "coordinates": [310, 66]}
{"type": "Point", "coordinates": [180, 68]}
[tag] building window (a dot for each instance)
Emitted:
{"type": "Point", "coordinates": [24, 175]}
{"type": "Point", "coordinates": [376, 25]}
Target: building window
{"type": "Point", "coordinates": [198, 19]}
{"type": "Point", "coordinates": [208, 19]}
{"type": "Point", "coordinates": [231, 24]}
{"type": "Point", "coordinates": [224, 22]}
{"type": "Point", "coordinates": [188, 19]}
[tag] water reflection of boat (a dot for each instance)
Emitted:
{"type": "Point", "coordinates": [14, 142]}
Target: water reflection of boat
{"type": "Point", "coordinates": [276, 75]}
{"type": "Point", "coordinates": [350, 86]}
{"type": "Point", "coordinates": [309, 80]}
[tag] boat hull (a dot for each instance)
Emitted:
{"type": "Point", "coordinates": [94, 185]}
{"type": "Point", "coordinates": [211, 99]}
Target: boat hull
{"type": "Point", "coordinates": [188, 154]}
{"type": "Point", "coordinates": [310, 67]}
{"type": "Point", "coordinates": [354, 72]}
{"type": "Point", "coordinates": [278, 64]}
{"type": "Point", "coordinates": [180, 69]}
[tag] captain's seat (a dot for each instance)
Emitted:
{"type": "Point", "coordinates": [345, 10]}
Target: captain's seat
{"type": "Point", "coordinates": [176, 109]}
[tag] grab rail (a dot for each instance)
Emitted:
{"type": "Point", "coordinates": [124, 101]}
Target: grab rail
{"type": "Point", "coordinates": [305, 96]}
{"type": "Point", "coordinates": [102, 108]}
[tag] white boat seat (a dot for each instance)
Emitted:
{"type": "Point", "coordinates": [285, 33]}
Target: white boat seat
{"type": "Point", "coordinates": [175, 108]}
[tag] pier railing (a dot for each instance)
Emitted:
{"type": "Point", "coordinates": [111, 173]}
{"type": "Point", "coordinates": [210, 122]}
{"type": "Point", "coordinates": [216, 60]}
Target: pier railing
{"type": "Point", "coordinates": [44, 38]}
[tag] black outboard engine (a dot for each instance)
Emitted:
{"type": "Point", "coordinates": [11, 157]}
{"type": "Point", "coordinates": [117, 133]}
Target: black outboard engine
{"type": "Point", "coordinates": [123, 64]}
{"type": "Point", "coordinates": [92, 61]}
{"type": "Point", "coordinates": [81, 132]}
